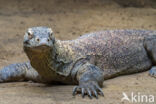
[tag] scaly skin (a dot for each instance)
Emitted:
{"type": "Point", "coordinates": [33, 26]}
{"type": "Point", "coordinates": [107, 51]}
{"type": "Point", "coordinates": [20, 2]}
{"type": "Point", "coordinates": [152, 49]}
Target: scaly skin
{"type": "Point", "coordinates": [86, 61]}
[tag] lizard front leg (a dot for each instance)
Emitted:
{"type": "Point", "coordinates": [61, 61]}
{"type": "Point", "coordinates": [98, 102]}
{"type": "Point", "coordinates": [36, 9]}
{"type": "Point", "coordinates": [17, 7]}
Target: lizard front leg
{"type": "Point", "coordinates": [90, 79]}
{"type": "Point", "coordinates": [19, 72]}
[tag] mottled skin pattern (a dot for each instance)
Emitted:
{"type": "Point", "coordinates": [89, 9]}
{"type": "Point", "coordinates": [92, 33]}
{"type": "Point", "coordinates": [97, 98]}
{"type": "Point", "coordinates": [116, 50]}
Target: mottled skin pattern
{"type": "Point", "coordinates": [86, 61]}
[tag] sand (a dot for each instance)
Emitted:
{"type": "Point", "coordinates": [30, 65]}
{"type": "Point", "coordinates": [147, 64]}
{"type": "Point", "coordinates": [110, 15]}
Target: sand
{"type": "Point", "coordinates": [69, 19]}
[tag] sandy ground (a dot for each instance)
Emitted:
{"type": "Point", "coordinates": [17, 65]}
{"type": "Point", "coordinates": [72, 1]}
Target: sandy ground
{"type": "Point", "coordinates": [69, 19]}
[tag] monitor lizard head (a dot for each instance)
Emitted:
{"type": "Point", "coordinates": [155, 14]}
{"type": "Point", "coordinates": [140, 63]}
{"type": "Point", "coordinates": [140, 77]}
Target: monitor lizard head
{"type": "Point", "coordinates": [38, 39]}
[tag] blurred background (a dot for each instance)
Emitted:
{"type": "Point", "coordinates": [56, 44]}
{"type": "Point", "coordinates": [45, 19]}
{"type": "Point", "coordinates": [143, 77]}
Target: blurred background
{"type": "Point", "coordinates": [68, 19]}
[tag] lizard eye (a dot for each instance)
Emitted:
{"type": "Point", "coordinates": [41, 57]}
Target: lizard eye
{"type": "Point", "coordinates": [30, 35]}
{"type": "Point", "coordinates": [48, 40]}
{"type": "Point", "coordinates": [51, 35]}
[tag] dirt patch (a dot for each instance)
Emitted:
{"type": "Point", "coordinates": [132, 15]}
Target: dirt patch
{"type": "Point", "coordinates": [70, 19]}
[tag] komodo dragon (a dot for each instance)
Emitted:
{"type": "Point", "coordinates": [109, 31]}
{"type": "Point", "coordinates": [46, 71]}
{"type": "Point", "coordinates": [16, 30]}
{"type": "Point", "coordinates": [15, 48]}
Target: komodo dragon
{"type": "Point", "coordinates": [86, 61]}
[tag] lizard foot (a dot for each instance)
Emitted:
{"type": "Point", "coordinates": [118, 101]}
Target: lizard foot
{"type": "Point", "coordinates": [152, 72]}
{"type": "Point", "coordinates": [90, 88]}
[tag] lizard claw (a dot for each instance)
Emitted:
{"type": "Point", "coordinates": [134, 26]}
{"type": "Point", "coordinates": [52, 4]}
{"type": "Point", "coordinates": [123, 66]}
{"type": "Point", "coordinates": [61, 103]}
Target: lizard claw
{"type": "Point", "coordinates": [74, 90]}
{"type": "Point", "coordinates": [89, 93]}
{"type": "Point", "coordinates": [90, 88]}
{"type": "Point", "coordinates": [83, 92]}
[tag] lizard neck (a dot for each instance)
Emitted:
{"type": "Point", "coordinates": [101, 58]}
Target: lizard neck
{"type": "Point", "coordinates": [48, 62]}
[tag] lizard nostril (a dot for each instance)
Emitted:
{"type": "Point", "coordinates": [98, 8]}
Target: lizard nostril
{"type": "Point", "coordinates": [37, 39]}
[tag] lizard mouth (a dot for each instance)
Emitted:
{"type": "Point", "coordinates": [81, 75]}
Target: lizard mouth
{"type": "Point", "coordinates": [41, 48]}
